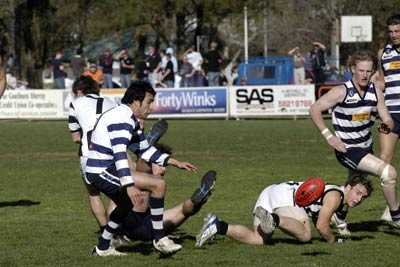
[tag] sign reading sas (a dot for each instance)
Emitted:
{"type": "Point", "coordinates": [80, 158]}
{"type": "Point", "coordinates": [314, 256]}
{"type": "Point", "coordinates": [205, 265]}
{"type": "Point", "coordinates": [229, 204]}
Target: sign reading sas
{"type": "Point", "coordinates": [251, 95]}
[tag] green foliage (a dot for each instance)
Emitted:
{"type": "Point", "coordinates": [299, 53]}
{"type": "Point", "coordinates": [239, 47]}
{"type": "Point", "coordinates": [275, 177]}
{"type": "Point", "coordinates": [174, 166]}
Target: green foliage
{"type": "Point", "coordinates": [39, 163]}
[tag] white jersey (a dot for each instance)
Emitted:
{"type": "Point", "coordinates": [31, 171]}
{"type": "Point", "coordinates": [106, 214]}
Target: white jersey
{"type": "Point", "coordinates": [282, 195]}
{"type": "Point", "coordinates": [390, 61]}
{"type": "Point", "coordinates": [83, 114]}
{"type": "Point", "coordinates": [354, 117]}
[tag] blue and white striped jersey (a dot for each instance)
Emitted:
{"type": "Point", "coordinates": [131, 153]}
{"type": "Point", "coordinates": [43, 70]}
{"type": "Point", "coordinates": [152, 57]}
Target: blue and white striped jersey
{"type": "Point", "coordinates": [353, 118]}
{"type": "Point", "coordinates": [83, 114]}
{"type": "Point", "coordinates": [115, 130]}
{"type": "Point", "coordinates": [390, 61]}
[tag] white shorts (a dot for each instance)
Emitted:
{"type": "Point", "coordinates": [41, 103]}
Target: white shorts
{"type": "Point", "coordinates": [279, 199]}
{"type": "Point", "coordinates": [83, 161]}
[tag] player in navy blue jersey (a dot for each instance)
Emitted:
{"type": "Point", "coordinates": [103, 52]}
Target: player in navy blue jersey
{"type": "Point", "coordinates": [109, 170]}
{"type": "Point", "coordinates": [355, 106]}
{"type": "Point", "coordinates": [389, 75]}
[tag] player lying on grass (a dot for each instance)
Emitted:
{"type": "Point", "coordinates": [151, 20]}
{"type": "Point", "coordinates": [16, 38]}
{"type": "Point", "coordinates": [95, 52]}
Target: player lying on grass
{"type": "Point", "coordinates": [275, 208]}
{"type": "Point", "coordinates": [137, 224]}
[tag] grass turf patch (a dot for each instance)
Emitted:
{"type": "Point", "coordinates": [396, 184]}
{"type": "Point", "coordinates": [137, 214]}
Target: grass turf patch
{"type": "Point", "coordinates": [45, 220]}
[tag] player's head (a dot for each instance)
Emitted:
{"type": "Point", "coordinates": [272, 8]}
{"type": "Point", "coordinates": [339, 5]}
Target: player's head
{"type": "Point", "coordinates": [362, 65]}
{"type": "Point", "coordinates": [139, 96]}
{"type": "Point", "coordinates": [357, 188]}
{"type": "Point", "coordinates": [85, 85]}
{"type": "Point", "coordinates": [393, 28]}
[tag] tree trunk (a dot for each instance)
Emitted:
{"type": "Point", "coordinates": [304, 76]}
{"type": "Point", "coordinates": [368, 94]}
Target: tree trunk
{"type": "Point", "coordinates": [32, 27]}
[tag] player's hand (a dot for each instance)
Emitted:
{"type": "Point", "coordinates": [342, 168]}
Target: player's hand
{"type": "Point", "coordinates": [186, 166]}
{"type": "Point", "coordinates": [182, 165]}
{"type": "Point", "coordinates": [134, 194]}
{"type": "Point", "coordinates": [337, 144]}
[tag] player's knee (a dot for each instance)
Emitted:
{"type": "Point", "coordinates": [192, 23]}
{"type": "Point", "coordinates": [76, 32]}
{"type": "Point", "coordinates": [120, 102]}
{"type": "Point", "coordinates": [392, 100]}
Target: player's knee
{"type": "Point", "coordinates": [388, 175]}
{"type": "Point", "coordinates": [161, 186]}
{"type": "Point", "coordinates": [305, 236]}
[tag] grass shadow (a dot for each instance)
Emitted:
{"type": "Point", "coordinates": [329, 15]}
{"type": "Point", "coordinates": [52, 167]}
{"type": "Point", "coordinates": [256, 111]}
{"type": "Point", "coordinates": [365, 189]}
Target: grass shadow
{"type": "Point", "coordinates": [365, 226]}
{"type": "Point", "coordinates": [21, 202]}
{"type": "Point", "coordinates": [315, 253]}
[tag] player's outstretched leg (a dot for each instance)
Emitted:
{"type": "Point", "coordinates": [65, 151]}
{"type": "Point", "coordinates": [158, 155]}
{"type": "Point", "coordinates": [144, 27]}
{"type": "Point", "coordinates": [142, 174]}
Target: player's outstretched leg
{"type": "Point", "coordinates": [267, 222]}
{"type": "Point", "coordinates": [157, 131]}
{"type": "Point", "coordinates": [208, 231]}
{"type": "Point", "coordinates": [207, 184]}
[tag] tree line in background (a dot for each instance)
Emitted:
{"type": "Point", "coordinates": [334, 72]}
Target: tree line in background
{"type": "Point", "coordinates": [33, 30]}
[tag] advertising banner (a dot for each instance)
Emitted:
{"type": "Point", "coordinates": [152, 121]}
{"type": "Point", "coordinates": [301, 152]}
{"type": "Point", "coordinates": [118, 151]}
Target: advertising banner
{"type": "Point", "coordinates": [271, 100]}
{"type": "Point", "coordinates": [33, 104]}
{"type": "Point", "coordinates": [184, 102]}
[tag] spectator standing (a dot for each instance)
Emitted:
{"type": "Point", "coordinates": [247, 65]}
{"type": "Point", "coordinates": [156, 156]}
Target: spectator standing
{"type": "Point", "coordinates": [95, 73]}
{"type": "Point", "coordinates": [299, 70]}
{"type": "Point", "coordinates": [196, 59]}
{"type": "Point", "coordinates": [186, 72]}
{"type": "Point", "coordinates": [214, 61]}
{"type": "Point", "coordinates": [58, 71]}
{"type": "Point", "coordinates": [174, 61]}
{"type": "Point", "coordinates": [126, 68]}
{"type": "Point", "coordinates": [168, 76]}
{"type": "Point", "coordinates": [78, 63]}
{"type": "Point", "coordinates": [318, 62]}
{"type": "Point", "coordinates": [152, 60]}
{"type": "Point", "coordinates": [106, 63]}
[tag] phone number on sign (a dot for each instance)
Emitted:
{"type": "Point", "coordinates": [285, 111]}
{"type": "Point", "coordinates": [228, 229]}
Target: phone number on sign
{"type": "Point", "coordinates": [294, 103]}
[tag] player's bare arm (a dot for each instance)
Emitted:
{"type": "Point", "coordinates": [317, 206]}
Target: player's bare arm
{"type": "Point", "coordinates": [387, 122]}
{"type": "Point", "coordinates": [329, 100]}
{"type": "Point", "coordinates": [330, 204]}
{"type": "Point", "coordinates": [379, 77]}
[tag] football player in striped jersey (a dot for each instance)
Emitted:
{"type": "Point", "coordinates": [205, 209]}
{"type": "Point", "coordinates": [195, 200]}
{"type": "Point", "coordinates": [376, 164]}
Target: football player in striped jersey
{"type": "Point", "coordinates": [355, 105]}
{"type": "Point", "coordinates": [108, 168]}
{"type": "Point", "coordinates": [389, 75]}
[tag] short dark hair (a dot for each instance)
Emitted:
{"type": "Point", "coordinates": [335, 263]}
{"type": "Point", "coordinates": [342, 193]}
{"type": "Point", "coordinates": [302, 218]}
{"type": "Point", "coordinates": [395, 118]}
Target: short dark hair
{"type": "Point", "coordinates": [86, 85]}
{"type": "Point", "coordinates": [393, 20]}
{"type": "Point", "coordinates": [360, 178]}
{"type": "Point", "coordinates": [137, 91]}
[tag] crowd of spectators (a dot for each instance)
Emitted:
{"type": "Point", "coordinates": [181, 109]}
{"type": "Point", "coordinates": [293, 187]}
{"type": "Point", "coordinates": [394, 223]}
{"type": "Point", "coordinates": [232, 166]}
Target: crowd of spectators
{"type": "Point", "coordinates": [162, 68]}
{"type": "Point", "coordinates": [313, 67]}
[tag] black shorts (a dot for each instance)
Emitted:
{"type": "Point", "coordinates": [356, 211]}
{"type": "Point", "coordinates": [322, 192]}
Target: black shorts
{"type": "Point", "coordinates": [109, 186]}
{"type": "Point", "coordinates": [137, 226]}
{"type": "Point", "coordinates": [353, 156]}
{"type": "Point", "coordinates": [396, 120]}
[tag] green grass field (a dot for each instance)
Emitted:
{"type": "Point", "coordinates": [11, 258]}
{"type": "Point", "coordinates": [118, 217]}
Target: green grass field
{"type": "Point", "coordinates": [45, 220]}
